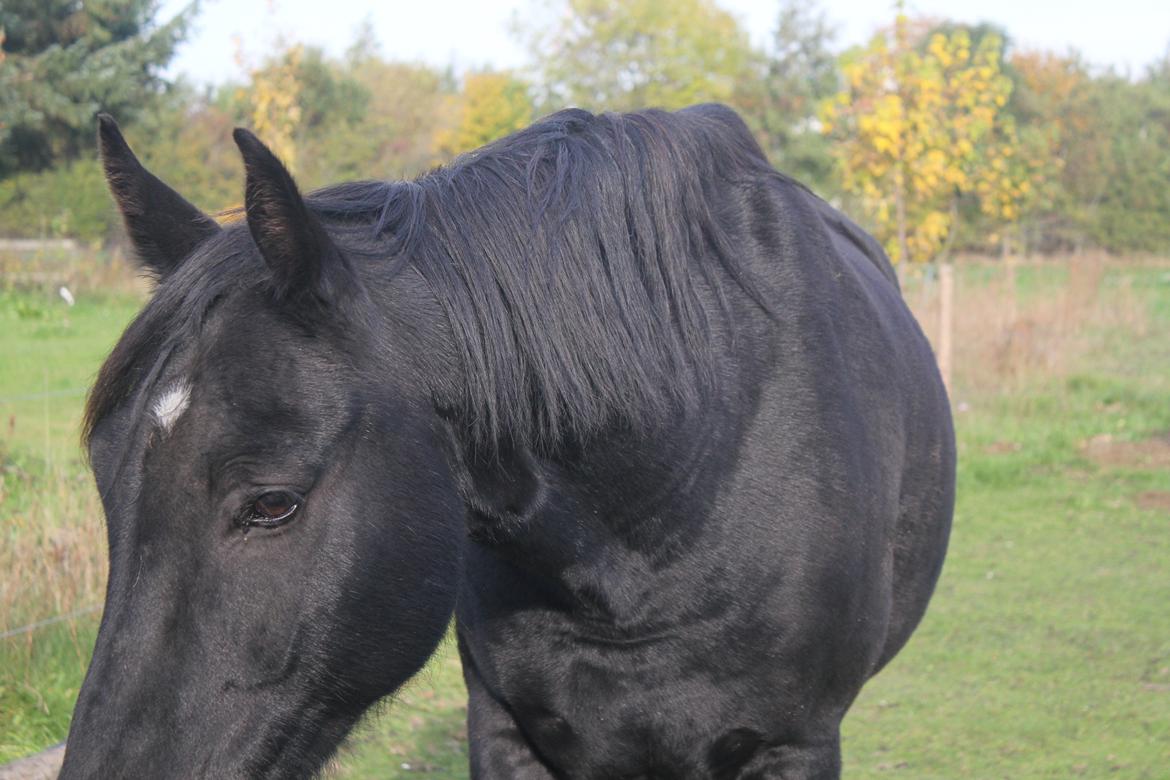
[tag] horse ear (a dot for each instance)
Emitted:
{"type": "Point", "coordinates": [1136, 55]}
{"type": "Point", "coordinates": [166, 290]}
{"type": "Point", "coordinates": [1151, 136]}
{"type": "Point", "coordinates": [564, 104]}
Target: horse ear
{"type": "Point", "coordinates": [163, 227]}
{"type": "Point", "coordinates": [291, 239]}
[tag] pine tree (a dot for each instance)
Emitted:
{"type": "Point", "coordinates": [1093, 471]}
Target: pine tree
{"type": "Point", "coordinates": [65, 60]}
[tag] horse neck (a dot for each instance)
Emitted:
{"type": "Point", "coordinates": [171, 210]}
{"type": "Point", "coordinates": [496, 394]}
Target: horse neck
{"type": "Point", "coordinates": [618, 516]}
{"type": "Point", "coordinates": [612, 512]}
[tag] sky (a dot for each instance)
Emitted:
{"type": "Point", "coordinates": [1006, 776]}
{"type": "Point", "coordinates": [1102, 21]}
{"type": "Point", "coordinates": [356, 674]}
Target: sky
{"type": "Point", "coordinates": [1125, 34]}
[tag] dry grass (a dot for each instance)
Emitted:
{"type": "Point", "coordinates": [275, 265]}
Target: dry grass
{"type": "Point", "coordinates": [53, 552]}
{"type": "Point", "coordinates": [1013, 325]}
{"type": "Point", "coordinates": [82, 270]}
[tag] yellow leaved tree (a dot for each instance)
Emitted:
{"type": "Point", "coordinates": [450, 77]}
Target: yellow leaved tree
{"type": "Point", "coordinates": [919, 123]}
{"type": "Point", "coordinates": [274, 101]}
{"type": "Point", "coordinates": [490, 105]}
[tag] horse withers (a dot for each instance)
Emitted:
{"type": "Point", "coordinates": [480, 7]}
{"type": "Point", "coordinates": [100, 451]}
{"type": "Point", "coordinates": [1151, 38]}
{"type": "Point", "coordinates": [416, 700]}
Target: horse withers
{"type": "Point", "coordinates": [649, 416]}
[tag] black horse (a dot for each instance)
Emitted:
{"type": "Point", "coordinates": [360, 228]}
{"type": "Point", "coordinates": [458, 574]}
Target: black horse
{"type": "Point", "coordinates": [651, 418]}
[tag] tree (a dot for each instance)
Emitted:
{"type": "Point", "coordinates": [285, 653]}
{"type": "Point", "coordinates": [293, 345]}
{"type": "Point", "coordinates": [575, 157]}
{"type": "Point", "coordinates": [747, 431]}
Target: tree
{"type": "Point", "coordinates": [273, 100]}
{"type": "Point", "coordinates": [187, 140]}
{"type": "Point", "coordinates": [1099, 145]}
{"type": "Point", "coordinates": [918, 127]}
{"type": "Point", "coordinates": [1129, 209]}
{"type": "Point", "coordinates": [329, 94]}
{"type": "Point", "coordinates": [622, 55]}
{"type": "Point", "coordinates": [490, 106]}
{"type": "Point", "coordinates": [299, 98]}
{"type": "Point", "coordinates": [799, 71]}
{"type": "Point", "coordinates": [65, 60]}
{"type": "Point", "coordinates": [1055, 118]}
{"type": "Point", "coordinates": [407, 105]}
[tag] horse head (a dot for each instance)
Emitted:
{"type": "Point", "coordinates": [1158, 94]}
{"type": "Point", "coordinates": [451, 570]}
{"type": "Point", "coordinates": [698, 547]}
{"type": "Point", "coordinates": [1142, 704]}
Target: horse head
{"type": "Point", "coordinates": [283, 545]}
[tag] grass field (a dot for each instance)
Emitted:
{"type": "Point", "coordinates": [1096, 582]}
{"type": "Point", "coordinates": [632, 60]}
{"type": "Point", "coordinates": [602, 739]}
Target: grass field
{"type": "Point", "coordinates": [51, 534]}
{"type": "Point", "coordinates": [1046, 652]}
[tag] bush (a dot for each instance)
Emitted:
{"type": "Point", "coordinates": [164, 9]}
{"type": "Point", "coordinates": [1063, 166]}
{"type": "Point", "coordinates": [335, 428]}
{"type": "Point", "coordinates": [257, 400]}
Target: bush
{"type": "Point", "coordinates": [67, 201]}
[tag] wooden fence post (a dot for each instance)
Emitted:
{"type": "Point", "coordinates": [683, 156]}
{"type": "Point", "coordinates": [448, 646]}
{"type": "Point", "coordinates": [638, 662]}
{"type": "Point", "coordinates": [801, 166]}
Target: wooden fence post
{"type": "Point", "coordinates": [946, 320]}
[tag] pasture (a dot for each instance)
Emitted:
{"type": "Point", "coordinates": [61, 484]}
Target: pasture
{"type": "Point", "coordinates": [1046, 651]}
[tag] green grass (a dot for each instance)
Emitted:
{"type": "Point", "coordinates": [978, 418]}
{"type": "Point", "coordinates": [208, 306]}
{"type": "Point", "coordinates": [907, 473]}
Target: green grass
{"type": "Point", "coordinates": [1046, 651]}
{"type": "Point", "coordinates": [51, 355]}
{"type": "Point", "coordinates": [51, 543]}
{"type": "Point", "coordinates": [41, 678]}
{"type": "Point", "coordinates": [422, 731]}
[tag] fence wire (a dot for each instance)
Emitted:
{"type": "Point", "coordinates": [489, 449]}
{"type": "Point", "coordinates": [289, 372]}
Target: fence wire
{"type": "Point", "coordinates": [29, 628]}
{"type": "Point", "coordinates": [66, 393]}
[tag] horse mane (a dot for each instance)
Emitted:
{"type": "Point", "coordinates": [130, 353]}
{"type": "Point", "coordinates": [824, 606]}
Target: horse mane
{"type": "Point", "coordinates": [584, 265]}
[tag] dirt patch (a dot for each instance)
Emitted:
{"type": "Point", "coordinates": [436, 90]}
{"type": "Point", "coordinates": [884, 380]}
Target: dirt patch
{"type": "Point", "coordinates": [1002, 447]}
{"type": "Point", "coordinates": [1153, 500]}
{"type": "Point", "coordinates": [1105, 450]}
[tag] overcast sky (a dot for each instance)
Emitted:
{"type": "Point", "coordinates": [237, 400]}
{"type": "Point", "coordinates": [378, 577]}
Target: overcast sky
{"type": "Point", "coordinates": [1127, 34]}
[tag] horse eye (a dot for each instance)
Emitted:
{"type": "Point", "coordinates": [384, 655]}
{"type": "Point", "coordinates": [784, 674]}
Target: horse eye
{"type": "Point", "coordinates": [271, 509]}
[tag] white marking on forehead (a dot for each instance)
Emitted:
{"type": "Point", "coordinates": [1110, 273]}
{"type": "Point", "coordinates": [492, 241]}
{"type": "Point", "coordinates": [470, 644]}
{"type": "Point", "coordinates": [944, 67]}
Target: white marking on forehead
{"type": "Point", "coordinates": [171, 405]}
